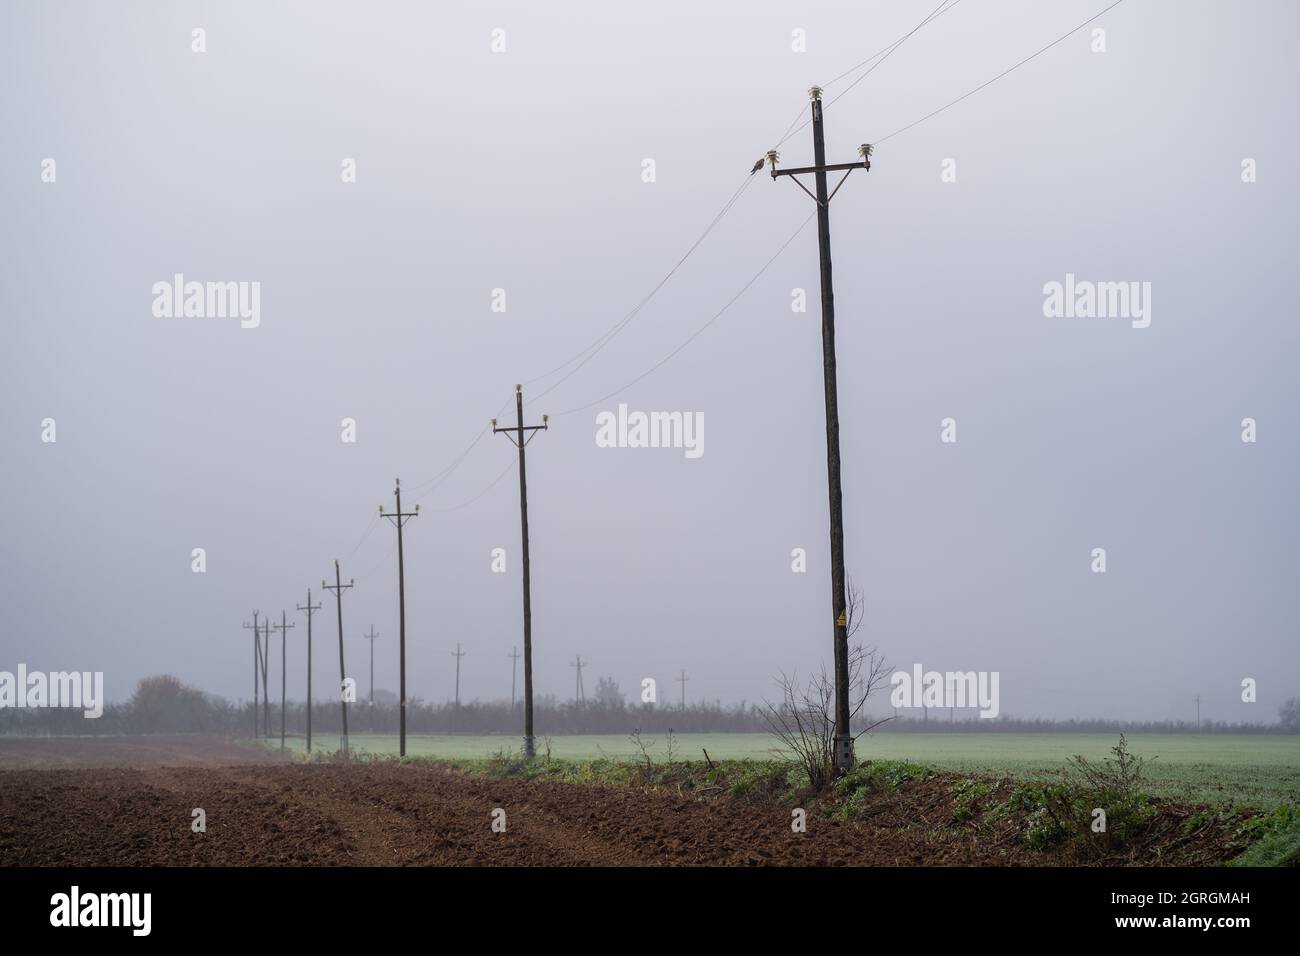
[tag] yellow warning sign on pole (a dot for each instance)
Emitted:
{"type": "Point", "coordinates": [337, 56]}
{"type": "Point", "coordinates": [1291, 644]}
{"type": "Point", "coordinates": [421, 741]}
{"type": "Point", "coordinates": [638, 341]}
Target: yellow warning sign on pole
{"type": "Point", "coordinates": [843, 621]}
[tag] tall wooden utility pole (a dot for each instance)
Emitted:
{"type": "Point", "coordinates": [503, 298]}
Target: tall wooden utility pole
{"type": "Point", "coordinates": [338, 587]}
{"type": "Point", "coordinates": [839, 613]}
{"type": "Point", "coordinates": [310, 609]}
{"type": "Point", "coordinates": [399, 518]}
{"type": "Point", "coordinates": [516, 435]}
{"type": "Point", "coordinates": [257, 663]}
{"type": "Point", "coordinates": [682, 679]}
{"type": "Point", "coordinates": [283, 628]}
{"type": "Point", "coordinates": [458, 654]}
{"type": "Point", "coordinates": [514, 669]}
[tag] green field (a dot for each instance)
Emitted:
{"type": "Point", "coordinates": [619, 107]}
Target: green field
{"type": "Point", "coordinates": [1246, 769]}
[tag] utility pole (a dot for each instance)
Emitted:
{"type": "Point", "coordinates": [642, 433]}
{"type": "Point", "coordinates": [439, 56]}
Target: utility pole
{"type": "Point", "coordinates": [516, 435]}
{"type": "Point", "coordinates": [1198, 713]}
{"type": "Point", "coordinates": [843, 736]}
{"type": "Point", "coordinates": [310, 609]}
{"type": "Point", "coordinates": [514, 669]}
{"type": "Point", "coordinates": [338, 587]}
{"type": "Point", "coordinates": [266, 693]}
{"type": "Point", "coordinates": [371, 637]}
{"type": "Point", "coordinates": [682, 679]}
{"type": "Point", "coordinates": [458, 654]}
{"type": "Point", "coordinates": [578, 694]}
{"type": "Point", "coordinates": [283, 628]}
{"type": "Point", "coordinates": [257, 660]}
{"type": "Point", "coordinates": [399, 518]}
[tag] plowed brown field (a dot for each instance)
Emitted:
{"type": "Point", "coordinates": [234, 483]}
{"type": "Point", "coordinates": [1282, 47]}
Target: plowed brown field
{"type": "Point", "coordinates": [262, 811]}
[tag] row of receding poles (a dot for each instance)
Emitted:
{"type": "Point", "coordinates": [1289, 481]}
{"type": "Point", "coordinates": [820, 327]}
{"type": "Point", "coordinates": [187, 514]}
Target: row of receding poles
{"type": "Point", "coordinates": [260, 666]}
{"type": "Point", "coordinates": [522, 434]}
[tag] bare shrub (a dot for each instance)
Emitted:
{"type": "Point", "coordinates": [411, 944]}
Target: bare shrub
{"type": "Point", "coordinates": [803, 720]}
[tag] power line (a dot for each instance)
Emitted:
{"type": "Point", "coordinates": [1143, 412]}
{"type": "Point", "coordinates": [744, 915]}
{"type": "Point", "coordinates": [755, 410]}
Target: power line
{"type": "Point", "coordinates": [986, 83]}
{"type": "Point", "coordinates": [934, 14]}
{"type": "Point", "coordinates": [886, 50]}
{"type": "Point", "coordinates": [938, 11]}
{"type": "Point", "coordinates": [583, 356]}
{"type": "Point", "coordinates": [883, 54]}
{"type": "Point", "coordinates": [590, 351]}
{"type": "Point", "coordinates": [942, 9]}
{"type": "Point", "coordinates": [618, 327]}
{"type": "Point", "coordinates": [698, 332]}
{"type": "Point", "coordinates": [465, 504]}
{"type": "Point", "coordinates": [789, 130]}
{"type": "Point", "coordinates": [605, 338]}
{"type": "Point", "coordinates": [428, 486]}
{"type": "Point", "coordinates": [374, 520]}
{"type": "Point", "coordinates": [383, 559]}
{"type": "Point", "coordinates": [440, 477]}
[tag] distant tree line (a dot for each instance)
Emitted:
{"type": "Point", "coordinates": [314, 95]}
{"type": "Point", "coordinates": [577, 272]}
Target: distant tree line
{"type": "Point", "coordinates": [550, 715]}
{"type": "Point", "coordinates": [164, 704]}
{"type": "Point", "coordinates": [1017, 725]}
{"type": "Point", "coordinates": [159, 705]}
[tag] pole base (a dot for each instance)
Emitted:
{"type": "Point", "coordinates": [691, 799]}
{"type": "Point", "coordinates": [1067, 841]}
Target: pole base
{"type": "Point", "coordinates": [844, 757]}
{"type": "Point", "coordinates": [343, 745]}
{"type": "Point", "coordinates": [529, 750]}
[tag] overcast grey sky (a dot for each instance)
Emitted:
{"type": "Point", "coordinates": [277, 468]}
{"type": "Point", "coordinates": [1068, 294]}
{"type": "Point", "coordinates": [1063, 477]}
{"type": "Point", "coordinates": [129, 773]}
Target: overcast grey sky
{"type": "Point", "coordinates": [522, 170]}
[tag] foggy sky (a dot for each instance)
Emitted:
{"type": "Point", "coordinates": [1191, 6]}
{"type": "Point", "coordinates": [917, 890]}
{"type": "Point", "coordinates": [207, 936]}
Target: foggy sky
{"type": "Point", "coordinates": [522, 170]}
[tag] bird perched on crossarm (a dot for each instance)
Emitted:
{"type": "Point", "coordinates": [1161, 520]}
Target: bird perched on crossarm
{"type": "Point", "coordinates": [758, 165]}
